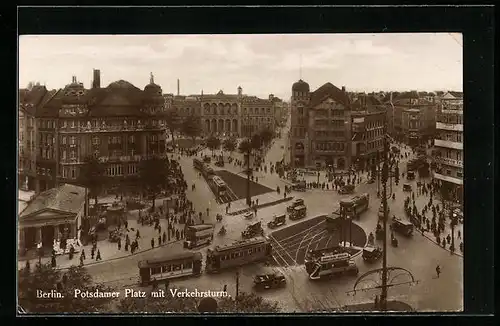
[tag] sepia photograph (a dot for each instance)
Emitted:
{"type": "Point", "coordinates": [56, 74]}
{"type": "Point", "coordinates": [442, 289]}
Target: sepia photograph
{"type": "Point", "coordinates": [240, 173]}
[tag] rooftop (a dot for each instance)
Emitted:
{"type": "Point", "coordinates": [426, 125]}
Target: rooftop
{"type": "Point", "coordinates": [66, 198]}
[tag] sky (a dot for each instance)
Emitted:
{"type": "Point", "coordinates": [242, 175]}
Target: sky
{"type": "Point", "coordinates": [261, 64]}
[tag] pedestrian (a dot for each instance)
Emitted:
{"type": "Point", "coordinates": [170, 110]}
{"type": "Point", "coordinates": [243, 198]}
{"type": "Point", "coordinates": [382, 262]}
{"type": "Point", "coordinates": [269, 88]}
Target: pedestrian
{"type": "Point", "coordinates": [126, 224]}
{"type": "Point", "coordinates": [52, 261]}
{"type": "Point", "coordinates": [119, 244]}
{"type": "Point", "coordinates": [83, 254]}
{"type": "Point", "coordinates": [376, 302]}
{"type": "Point", "coordinates": [152, 242]}
{"type": "Point", "coordinates": [159, 240]}
{"type": "Point", "coordinates": [159, 229]}
{"type": "Point", "coordinates": [92, 252]}
{"type": "Point", "coordinates": [137, 235]}
{"type": "Point", "coordinates": [81, 260]}
{"type": "Point", "coordinates": [98, 256]}
{"type": "Point", "coordinates": [459, 234]}
{"type": "Point", "coordinates": [164, 237]}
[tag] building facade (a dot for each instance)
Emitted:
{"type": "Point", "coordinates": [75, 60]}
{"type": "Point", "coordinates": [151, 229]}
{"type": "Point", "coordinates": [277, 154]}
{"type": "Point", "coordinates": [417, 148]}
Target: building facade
{"type": "Point", "coordinates": [413, 118]}
{"type": "Point", "coordinates": [320, 131]}
{"type": "Point", "coordinates": [369, 125]}
{"type": "Point", "coordinates": [449, 143]}
{"type": "Point", "coordinates": [119, 125]}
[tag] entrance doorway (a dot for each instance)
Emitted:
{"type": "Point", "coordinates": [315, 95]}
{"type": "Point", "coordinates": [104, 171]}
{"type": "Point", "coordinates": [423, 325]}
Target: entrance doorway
{"type": "Point", "coordinates": [47, 236]}
{"type": "Point", "coordinates": [29, 238]}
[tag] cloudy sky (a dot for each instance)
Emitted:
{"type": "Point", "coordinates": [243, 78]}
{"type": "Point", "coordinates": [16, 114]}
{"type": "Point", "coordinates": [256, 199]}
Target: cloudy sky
{"type": "Point", "coordinates": [261, 64]}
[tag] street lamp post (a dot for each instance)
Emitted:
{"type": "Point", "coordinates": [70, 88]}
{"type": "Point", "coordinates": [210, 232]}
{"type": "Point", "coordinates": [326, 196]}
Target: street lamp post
{"type": "Point", "coordinates": [383, 297]}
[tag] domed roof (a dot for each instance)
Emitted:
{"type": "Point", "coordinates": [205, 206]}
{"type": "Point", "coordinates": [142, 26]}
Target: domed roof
{"type": "Point", "coordinates": [300, 86]}
{"type": "Point", "coordinates": [121, 84]}
{"type": "Point", "coordinates": [152, 88]}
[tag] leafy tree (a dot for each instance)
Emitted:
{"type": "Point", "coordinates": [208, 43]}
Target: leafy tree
{"type": "Point", "coordinates": [245, 146]}
{"type": "Point", "coordinates": [230, 144]}
{"type": "Point", "coordinates": [46, 278]}
{"type": "Point", "coordinates": [213, 143]}
{"type": "Point", "coordinates": [245, 303]}
{"type": "Point", "coordinates": [154, 173]}
{"type": "Point", "coordinates": [256, 141]}
{"type": "Point", "coordinates": [172, 122]}
{"type": "Point", "coordinates": [91, 176]}
{"type": "Point", "coordinates": [191, 128]}
{"type": "Point", "coordinates": [266, 135]}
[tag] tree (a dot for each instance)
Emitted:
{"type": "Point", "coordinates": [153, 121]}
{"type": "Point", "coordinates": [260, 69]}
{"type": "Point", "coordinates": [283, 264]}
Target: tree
{"type": "Point", "coordinates": [256, 141]}
{"type": "Point", "coordinates": [191, 128]}
{"type": "Point", "coordinates": [46, 278]}
{"type": "Point", "coordinates": [213, 143]}
{"type": "Point", "coordinates": [172, 122]}
{"type": "Point", "coordinates": [230, 144]}
{"type": "Point", "coordinates": [245, 146]}
{"type": "Point", "coordinates": [91, 176]}
{"type": "Point", "coordinates": [154, 173]}
{"type": "Point", "coordinates": [266, 135]}
{"type": "Point", "coordinates": [245, 303]}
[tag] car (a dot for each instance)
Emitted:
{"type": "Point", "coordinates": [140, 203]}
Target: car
{"type": "Point", "coordinates": [248, 215]}
{"type": "Point", "coordinates": [371, 254]}
{"type": "Point", "coordinates": [269, 281]}
{"type": "Point", "coordinates": [278, 220]}
{"type": "Point", "coordinates": [296, 203]}
{"type": "Point", "coordinates": [370, 181]}
{"type": "Point", "coordinates": [407, 187]}
{"type": "Point", "coordinates": [347, 189]}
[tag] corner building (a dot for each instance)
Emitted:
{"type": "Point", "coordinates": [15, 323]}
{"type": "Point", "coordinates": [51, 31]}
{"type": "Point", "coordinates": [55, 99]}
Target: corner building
{"type": "Point", "coordinates": [320, 132]}
{"type": "Point", "coordinates": [119, 125]}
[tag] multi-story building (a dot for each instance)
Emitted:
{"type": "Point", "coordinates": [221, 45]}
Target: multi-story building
{"type": "Point", "coordinates": [119, 124]}
{"type": "Point", "coordinates": [320, 131]}
{"type": "Point", "coordinates": [449, 142]}
{"type": "Point", "coordinates": [413, 118]}
{"type": "Point", "coordinates": [368, 129]}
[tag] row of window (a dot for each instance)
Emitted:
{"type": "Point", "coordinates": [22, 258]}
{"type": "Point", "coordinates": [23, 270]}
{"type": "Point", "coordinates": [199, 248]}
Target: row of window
{"type": "Point", "coordinates": [450, 153]}
{"type": "Point", "coordinates": [330, 146]}
{"type": "Point", "coordinates": [299, 132]}
{"type": "Point", "coordinates": [374, 133]}
{"type": "Point", "coordinates": [375, 144]}
{"type": "Point", "coordinates": [71, 172]}
{"type": "Point", "coordinates": [242, 253]}
{"type": "Point", "coordinates": [106, 123]}
{"type": "Point", "coordinates": [97, 140]}
{"type": "Point", "coordinates": [329, 133]}
{"type": "Point", "coordinates": [329, 112]}
{"type": "Point", "coordinates": [451, 136]}
{"type": "Point", "coordinates": [171, 268]}
{"type": "Point", "coordinates": [450, 118]}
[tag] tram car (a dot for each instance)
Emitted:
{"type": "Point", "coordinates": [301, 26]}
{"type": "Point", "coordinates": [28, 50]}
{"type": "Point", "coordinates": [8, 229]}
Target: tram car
{"type": "Point", "coordinates": [238, 253]}
{"type": "Point", "coordinates": [269, 281]}
{"type": "Point", "coordinates": [170, 266]}
{"type": "Point", "coordinates": [218, 186]}
{"type": "Point", "coordinates": [332, 265]}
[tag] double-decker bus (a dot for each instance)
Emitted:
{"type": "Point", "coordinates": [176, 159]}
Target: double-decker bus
{"type": "Point", "coordinates": [218, 186]}
{"type": "Point", "coordinates": [332, 265]}
{"type": "Point", "coordinates": [313, 255]}
{"type": "Point", "coordinates": [197, 164]}
{"type": "Point", "coordinates": [237, 254]}
{"type": "Point", "coordinates": [170, 266]}
{"type": "Point", "coordinates": [198, 235]}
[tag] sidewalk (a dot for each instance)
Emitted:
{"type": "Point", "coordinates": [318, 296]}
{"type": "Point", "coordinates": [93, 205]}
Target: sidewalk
{"type": "Point", "coordinates": [109, 250]}
{"type": "Point", "coordinates": [265, 200]}
{"type": "Point", "coordinates": [370, 307]}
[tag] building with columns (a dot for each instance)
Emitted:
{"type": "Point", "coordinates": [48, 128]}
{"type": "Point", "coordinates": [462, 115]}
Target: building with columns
{"type": "Point", "coordinates": [320, 131]}
{"type": "Point", "coordinates": [52, 214]}
{"type": "Point", "coordinates": [449, 143]}
{"type": "Point", "coordinates": [119, 124]}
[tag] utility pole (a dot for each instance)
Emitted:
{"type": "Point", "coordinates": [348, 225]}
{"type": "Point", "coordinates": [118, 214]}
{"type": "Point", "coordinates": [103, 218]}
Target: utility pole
{"type": "Point", "coordinates": [249, 199]}
{"type": "Point", "coordinates": [237, 283]}
{"type": "Point", "coordinates": [385, 170]}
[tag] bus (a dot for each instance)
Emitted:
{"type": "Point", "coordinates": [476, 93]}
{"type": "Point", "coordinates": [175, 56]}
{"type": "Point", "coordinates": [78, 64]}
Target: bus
{"type": "Point", "coordinates": [332, 265]}
{"type": "Point", "coordinates": [356, 205]}
{"type": "Point", "coordinates": [198, 235]}
{"type": "Point", "coordinates": [207, 171]}
{"type": "Point", "coordinates": [197, 164]}
{"type": "Point", "coordinates": [313, 255]}
{"type": "Point", "coordinates": [218, 186]}
{"type": "Point", "coordinates": [238, 253]}
{"type": "Point", "coordinates": [170, 266]}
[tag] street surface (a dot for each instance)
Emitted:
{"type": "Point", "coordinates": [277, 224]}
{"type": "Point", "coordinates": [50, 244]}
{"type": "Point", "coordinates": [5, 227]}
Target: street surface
{"type": "Point", "coordinates": [417, 254]}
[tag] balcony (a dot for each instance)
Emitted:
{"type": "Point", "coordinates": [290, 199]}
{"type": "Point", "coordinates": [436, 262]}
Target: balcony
{"type": "Point", "coordinates": [448, 178]}
{"type": "Point", "coordinates": [105, 128]}
{"type": "Point", "coordinates": [448, 144]}
{"type": "Point", "coordinates": [122, 158]}
{"type": "Point", "coordinates": [450, 126]}
{"type": "Point", "coordinates": [449, 161]}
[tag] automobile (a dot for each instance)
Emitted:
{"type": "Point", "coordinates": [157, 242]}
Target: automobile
{"type": "Point", "coordinates": [269, 281]}
{"type": "Point", "coordinates": [295, 203]}
{"type": "Point", "coordinates": [402, 226]}
{"type": "Point", "coordinates": [253, 230]}
{"type": "Point", "coordinates": [371, 254]}
{"type": "Point", "coordinates": [407, 187]}
{"type": "Point", "coordinates": [410, 175]}
{"type": "Point", "coordinates": [371, 180]}
{"type": "Point", "coordinates": [298, 212]}
{"type": "Point", "coordinates": [207, 159]}
{"type": "Point", "coordinates": [282, 147]}
{"type": "Point", "coordinates": [248, 215]}
{"type": "Point", "coordinates": [278, 220]}
{"type": "Point", "coordinates": [347, 189]}
{"type": "Point", "coordinates": [219, 163]}
{"type": "Point", "coordinates": [299, 186]}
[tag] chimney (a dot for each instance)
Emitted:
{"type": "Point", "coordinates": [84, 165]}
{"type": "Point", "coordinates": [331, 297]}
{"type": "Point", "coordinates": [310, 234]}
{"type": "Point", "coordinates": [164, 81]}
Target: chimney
{"type": "Point", "coordinates": [73, 79]}
{"type": "Point", "coordinates": [271, 97]}
{"type": "Point", "coordinates": [97, 79]}
{"type": "Point", "coordinates": [178, 87]}
{"type": "Point", "coordinates": [343, 89]}
{"type": "Point", "coordinates": [240, 90]}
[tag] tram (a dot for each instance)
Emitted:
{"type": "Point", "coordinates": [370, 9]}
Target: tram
{"type": "Point", "coordinates": [218, 186]}
{"type": "Point", "coordinates": [170, 266]}
{"type": "Point", "coordinates": [198, 164]}
{"type": "Point", "coordinates": [238, 253]}
{"type": "Point", "coordinates": [332, 265]}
